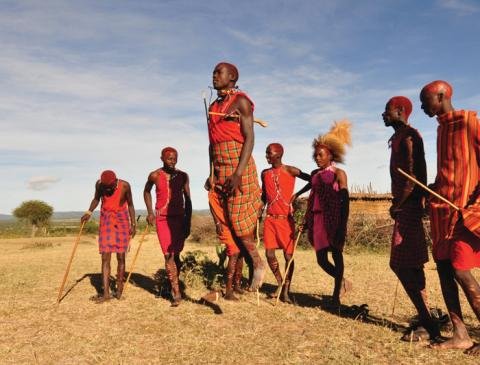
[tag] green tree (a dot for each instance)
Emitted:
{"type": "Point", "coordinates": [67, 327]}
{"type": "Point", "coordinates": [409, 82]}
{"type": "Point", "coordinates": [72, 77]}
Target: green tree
{"type": "Point", "coordinates": [35, 212]}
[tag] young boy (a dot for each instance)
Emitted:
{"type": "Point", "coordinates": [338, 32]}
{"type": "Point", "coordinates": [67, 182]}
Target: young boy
{"type": "Point", "coordinates": [278, 183]}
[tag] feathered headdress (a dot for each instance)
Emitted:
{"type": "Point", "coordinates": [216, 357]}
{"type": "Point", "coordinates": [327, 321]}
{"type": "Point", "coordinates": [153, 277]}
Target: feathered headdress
{"type": "Point", "coordinates": [335, 140]}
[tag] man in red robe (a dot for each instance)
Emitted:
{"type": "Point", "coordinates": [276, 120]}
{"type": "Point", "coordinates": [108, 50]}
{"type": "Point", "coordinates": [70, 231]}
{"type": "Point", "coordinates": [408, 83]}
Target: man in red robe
{"type": "Point", "coordinates": [278, 183]}
{"type": "Point", "coordinates": [173, 214]}
{"type": "Point", "coordinates": [409, 247]}
{"type": "Point", "coordinates": [455, 233]}
{"type": "Point", "coordinates": [117, 226]}
{"type": "Point", "coordinates": [233, 177]}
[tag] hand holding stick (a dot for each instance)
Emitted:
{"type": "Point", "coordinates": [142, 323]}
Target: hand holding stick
{"type": "Point", "coordinates": [300, 231]}
{"type": "Point", "coordinates": [427, 189]}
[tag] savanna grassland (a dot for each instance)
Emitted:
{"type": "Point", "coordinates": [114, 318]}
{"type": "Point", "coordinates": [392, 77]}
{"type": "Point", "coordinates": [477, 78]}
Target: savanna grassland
{"type": "Point", "coordinates": [142, 328]}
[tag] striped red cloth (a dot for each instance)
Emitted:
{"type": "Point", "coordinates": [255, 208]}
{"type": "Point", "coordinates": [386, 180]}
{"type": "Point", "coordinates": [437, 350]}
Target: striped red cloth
{"type": "Point", "coordinates": [458, 175]}
{"type": "Point", "coordinates": [244, 205]}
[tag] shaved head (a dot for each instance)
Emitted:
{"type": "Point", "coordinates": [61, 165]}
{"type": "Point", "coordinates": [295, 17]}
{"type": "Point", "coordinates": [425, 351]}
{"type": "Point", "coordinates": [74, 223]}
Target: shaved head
{"type": "Point", "coordinates": [108, 177]}
{"type": "Point", "coordinates": [401, 102]}
{"type": "Point", "coordinates": [438, 87]}
{"type": "Point", "coordinates": [277, 147]}
{"type": "Point", "coordinates": [232, 69]}
{"type": "Point", "coordinates": [168, 150]}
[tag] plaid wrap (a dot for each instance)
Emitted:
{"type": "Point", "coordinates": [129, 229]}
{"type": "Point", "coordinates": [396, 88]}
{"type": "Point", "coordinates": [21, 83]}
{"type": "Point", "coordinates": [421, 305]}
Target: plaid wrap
{"type": "Point", "coordinates": [114, 231]}
{"type": "Point", "coordinates": [409, 246]}
{"type": "Point", "coordinates": [243, 206]}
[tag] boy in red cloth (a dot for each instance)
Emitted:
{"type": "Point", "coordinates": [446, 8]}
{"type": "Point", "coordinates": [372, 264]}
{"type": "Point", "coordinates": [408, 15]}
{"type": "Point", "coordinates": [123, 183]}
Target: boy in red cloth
{"type": "Point", "coordinates": [117, 226]}
{"type": "Point", "coordinates": [409, 247]}
{"type": "Point", "coordinates": [278, 183]}
{"type": "Point", "coordinates": [173, 214]}
{"type": "Point", "coordinates": [455, 234]}
{"type": "Point", "coordinates": [233, 183]}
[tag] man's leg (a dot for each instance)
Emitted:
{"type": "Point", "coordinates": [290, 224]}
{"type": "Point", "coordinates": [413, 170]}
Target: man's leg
{"type": "Point", "coordinates": [340, 287]}
{"type": "Point", "coordinates": [178, 263]}
{"type": "Point", "coordinates": [237, 278]}
{"type": "Point", "coordinates": [472, 291]}
{"type": "Point", "coordinates": [231, 266]}
{"type": "Point", "coordinates": [275, 267]}
{"type": "Point", "coordinates": [172, 275]}
{"type": "Point", "coordinates": [106, 256]}
{"type": "Point", "coordinates": [120, 273]}
{"type": "Point", "coordinates": [288, 278]}
{"type": "Point", "coordinates": [413, 281]}
{"type": "Point", "coordinates": [258, 265]}
{"type": "Point", "coordinates": [460, 339]}
{"type": "Point", "coordinates": [322, 260]}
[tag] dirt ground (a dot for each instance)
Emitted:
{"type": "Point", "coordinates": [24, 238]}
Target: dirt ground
{"type": "Point", "coordinates": [142, 328]}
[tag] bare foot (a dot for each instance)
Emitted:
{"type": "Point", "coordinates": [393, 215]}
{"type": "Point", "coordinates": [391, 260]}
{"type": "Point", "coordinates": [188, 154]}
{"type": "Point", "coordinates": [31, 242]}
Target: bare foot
{"type": "Point", "coordinates": [474, 350]}
{"type": "Point", "coordinates": [176, 301]}
{"type": "Point", "coordinates": [230, 296]}
{"type": "Point", "coordinates": [258, 276]}
{"type": "Point", "coordinates": [275, 294]}
{"type": "Point", "coordinates": [346, 287]}
{"type": "Point", "coordinates": [101, 300]}
{"type": "Point", "coordinates": [453, 343]}
{"type": "Point", "coordinates": [238, 289]}
{"type": "Point", "coordinates": [285, 297]}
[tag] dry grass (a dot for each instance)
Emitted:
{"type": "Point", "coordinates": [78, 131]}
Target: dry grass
{"type": "Point", "coordinates": [144, 329]}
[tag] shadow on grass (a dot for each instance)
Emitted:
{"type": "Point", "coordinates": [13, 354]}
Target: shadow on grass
{"type": "Point", "coordinates": [324, 302]}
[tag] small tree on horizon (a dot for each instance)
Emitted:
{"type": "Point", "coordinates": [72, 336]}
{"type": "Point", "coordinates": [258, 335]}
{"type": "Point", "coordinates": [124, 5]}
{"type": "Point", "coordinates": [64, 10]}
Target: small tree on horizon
{"type": "Point", "coordinates": [35, 212]}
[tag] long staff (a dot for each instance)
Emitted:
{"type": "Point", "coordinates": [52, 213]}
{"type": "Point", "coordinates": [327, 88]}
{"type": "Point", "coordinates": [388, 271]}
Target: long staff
{"type": "Point", "coordinates": [263, 123]}
{"type": "Point", "coordinates": [288, 264]}
{"type": "Point", "coordinates": [135, 257]}
{"type": "Point", "coordinates": [67, 270]}
{"type": "Point", "coordinates": [411, 178]}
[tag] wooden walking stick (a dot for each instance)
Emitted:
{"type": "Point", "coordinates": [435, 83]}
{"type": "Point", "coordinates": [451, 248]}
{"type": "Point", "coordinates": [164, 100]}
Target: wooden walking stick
{"type": "Point", "coordinates": [263, 123]}
{"type": "Point", "coordinates": [70, 263]}
{"type": "Point", "coordinates": [426, 188]}
{"type": "Point", "coordinates": [395, 298]}
{"type": "Point", "coordinates": [135, 257]}
{"type": "Point", "coordinates": [288, 265]}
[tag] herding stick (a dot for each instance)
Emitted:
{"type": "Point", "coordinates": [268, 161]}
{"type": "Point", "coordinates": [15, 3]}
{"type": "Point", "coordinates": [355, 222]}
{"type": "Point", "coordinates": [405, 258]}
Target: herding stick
{"type": "Point", "coordinates": [70, 263]}
{"type": "Point", "coordinates": [135, 257]}
{"type": "Point", "coordinates": [263, 123]}
{"type": "Point", "coordinates": [288, 265]}
{"type": "Point", "coordinates": [427, 189]}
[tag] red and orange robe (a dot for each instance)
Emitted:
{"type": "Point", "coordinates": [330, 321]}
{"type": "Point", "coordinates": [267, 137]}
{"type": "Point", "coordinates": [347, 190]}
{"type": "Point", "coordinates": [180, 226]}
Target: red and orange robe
{"type": "Point", "coordinates": [114, 229]}
{"type": "Point", "coordinates": [170, 210]}
{"type": "Point", "coordinates": [409, 246]}
{"type": "Point", "coordinates": [238, 212]}
{"type": "Point", "coordinates": [279, 226]}
{"type": "Point", "coordinates": [455, 235]}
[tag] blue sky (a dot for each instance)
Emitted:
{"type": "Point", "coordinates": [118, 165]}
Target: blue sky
{"type": "Point", "coordinates": [94, 85]}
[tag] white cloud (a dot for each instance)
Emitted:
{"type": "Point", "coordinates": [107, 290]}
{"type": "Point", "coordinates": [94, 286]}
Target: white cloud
{"type": "Point", "coordinates": [461, 7]}
{"type": "Point", "coordinates": [42, 182]}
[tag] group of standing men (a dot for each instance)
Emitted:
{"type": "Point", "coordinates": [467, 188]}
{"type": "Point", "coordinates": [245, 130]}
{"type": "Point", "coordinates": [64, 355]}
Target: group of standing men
{"type": "Point", "coordinates": [236, 202]}
{"type": "Point", "coordinates": [454, 220]}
